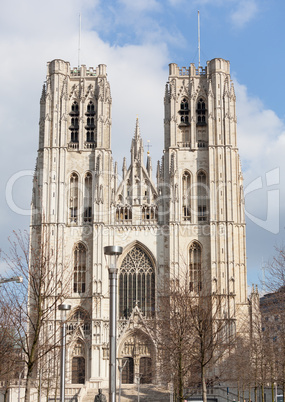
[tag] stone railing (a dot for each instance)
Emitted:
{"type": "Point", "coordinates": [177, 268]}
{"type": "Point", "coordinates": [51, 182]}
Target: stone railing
{"type": "Point", "coordinates": [90, 145]}
{"type": "Point", "coordinates": [76, 72]}
{"type": "Point", "coordinates": [184, 144]}
{"type": "Point", "coordinates": [73, 145]}
{"type": "Point", "coordinates": [185, 72]}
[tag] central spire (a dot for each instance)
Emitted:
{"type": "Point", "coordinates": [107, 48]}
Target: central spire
{"type": "Point", "coordinates": [137, 145]}
{"type": "Point", "coordinates": [137, 130]}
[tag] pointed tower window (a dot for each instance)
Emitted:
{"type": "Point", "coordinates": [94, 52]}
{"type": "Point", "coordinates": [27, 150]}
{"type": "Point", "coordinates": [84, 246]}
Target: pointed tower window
{"type": "Point", "coordinates": [136, 284]}
{"type": "Point", "coordinates": [195, 273]}
{"type": "Point", "coordinates": [202, 196]}
{"type": "Point", "coordinates": [90, 142]}
{"type": "Point", "coordinates": [88, 198]}
{"type": "Point", "coordinates": [73, 202]}
{"type": "Point", "coordinates": [201, 112]}
{"type": "Point", "coordinates": [79, 273]}
{"type": "Point", "coordinates": [74, 126]}
{"type": "Point", "coordinates": [186, 200]}
{"type": "Point", "coordinates": [184, 113]}
{"type": "Point", "coordinates": [90, 109]}
{"type": "Point", "coordinates": [74, 109]}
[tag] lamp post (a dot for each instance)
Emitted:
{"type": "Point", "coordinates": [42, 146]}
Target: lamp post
{"type": "Point", "coordinates": [139, 382]}
{"type": "Point", "coordinates": [19, 390]}
{"type": "Point", "coordinates": [121, 366]}
{"type": "Point", "coordinates": [64, 308]}
{"type": "Point", "coordinates": [113, 252]}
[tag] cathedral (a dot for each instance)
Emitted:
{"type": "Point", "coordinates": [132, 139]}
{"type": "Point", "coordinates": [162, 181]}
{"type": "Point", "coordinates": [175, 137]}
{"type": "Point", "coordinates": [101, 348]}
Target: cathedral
{"type": "Point", "coordinates": [190, 218]}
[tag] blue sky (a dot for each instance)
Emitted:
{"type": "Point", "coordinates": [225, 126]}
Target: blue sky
{"type": "Point", "coordinates": [137, 39]}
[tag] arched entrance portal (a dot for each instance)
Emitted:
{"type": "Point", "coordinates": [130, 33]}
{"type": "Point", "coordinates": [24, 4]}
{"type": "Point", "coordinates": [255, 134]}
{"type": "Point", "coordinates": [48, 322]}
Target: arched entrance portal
{"type": "Point", "coordinates": [78, 363]}
{"type": "Point", "coordinates": [137, 353]}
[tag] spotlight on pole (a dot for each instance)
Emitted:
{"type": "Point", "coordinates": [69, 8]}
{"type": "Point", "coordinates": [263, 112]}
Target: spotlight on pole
{"type": "Point", "coordinates": [113, 253]}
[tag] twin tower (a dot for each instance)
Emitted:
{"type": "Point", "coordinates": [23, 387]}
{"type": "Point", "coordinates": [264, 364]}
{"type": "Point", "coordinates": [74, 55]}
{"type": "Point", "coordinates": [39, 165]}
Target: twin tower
{"type": "Point", "coordinates": [187, 224]}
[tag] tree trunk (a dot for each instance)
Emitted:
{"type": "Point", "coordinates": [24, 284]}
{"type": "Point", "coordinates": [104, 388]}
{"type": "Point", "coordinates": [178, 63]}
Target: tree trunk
{"type": "Point", "coordinates": [238, 391]}
{"type": "Point", "coordinates": [204, 387]}
{"type": "Point", "coordinates": [249, 393]}
{"type": "Point", "coordinates": [180, 379]}
{"type": "Point", "coordinates": [6, 392]}
{"type": "Point", "coordinates": [28, 387]}
{"type": "Point", "coordinates": [283, 383]}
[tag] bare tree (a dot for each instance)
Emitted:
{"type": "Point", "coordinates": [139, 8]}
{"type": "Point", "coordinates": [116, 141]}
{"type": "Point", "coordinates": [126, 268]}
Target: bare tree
{"type": "Point", "coordinates": [10, 354]}
{"type": "Point", "coordinates": [273, 316]}
{"type": "Point", "coordinates": [33, 304]}
{"type": "Point", "coordinates": [192, 336]}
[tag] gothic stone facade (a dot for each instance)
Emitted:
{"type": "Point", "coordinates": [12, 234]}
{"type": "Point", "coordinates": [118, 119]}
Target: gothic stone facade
{"type": "Point", "coordinates": [190, 220]}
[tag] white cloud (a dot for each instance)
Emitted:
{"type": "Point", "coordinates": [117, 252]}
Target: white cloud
{"type": "Point", "coordinates": [136, 73]}
{"type": "Point", "coordinates": [261, 133]}
{"type": "Point", "coordinates": [245, 11]}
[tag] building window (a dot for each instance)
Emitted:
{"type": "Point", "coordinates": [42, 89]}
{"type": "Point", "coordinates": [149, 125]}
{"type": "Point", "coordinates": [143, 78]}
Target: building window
{"type": "Point", "coordinates": [195, 273]}
{"type": "Point", "coordinates": [123, 214]}
{"type": "Point", "coordinates": [80, 319]}
{"type": "Point", "coordinates": [202, 196]}
{"type": "Point", "coordinates": [90, 109]}
{"type": "Point", "coordinates": [74, 109]}
{"type": "Point", "coordinates": [186, 200]}
{"type": "Point", "coordinates": [90, 126]}
{"type": "Point", "coordinates": [149, 213]}
{"type": "Point", "coordinates": [87, 218]}
{"type": "Point", "coordinates": [73, 202]}
{"type": "Point", "coordinates": [201, 112]}
{"type": "Point", "coordinates": [79, 273]}
{"type": "Point", "coordinates": [136, 284]}
{"type": "Point", "coordinates": [184, 113]}
{"type": "Point", "coordinates": [74, 127]}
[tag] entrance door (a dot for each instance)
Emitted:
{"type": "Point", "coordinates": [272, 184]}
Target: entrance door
{"type": "Point", "coordinates": [145, 370]}
{"type": "Point", "coordinates": [128, 371]}
{"type": "Point", "coordinates": [78, 370]}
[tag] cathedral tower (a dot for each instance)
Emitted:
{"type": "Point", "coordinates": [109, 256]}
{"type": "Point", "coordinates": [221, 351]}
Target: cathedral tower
{"type": "Point", "coordinates": [204, 181]}
{"type": "Point", "coordinates": [73, 187]}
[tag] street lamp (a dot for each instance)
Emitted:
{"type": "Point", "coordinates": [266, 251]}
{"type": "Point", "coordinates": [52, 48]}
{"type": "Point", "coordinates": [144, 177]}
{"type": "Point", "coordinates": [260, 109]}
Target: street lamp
{"type": "Point", "coordinates": [113, 252]}
{"type": "Point", "coordinates": [64, 308]}
{"type": "Point", "coordinates": [17, 279]}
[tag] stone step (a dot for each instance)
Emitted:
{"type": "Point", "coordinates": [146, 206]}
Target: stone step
{"type": "Point", "coordinates": [129, 393]}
